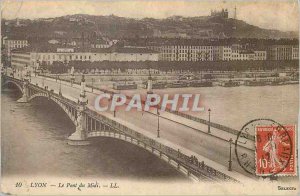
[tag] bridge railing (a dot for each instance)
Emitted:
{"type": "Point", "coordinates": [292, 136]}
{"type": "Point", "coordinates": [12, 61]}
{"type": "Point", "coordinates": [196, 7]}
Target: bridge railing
{"type": "Point", "coordinates": [212, 124]}
{"type": "Point", "coordinates": [55, 95]}
{"type": "Point", "coordinates": [191, 163]}
{"type": "Point", "coordinates": [78, 83]}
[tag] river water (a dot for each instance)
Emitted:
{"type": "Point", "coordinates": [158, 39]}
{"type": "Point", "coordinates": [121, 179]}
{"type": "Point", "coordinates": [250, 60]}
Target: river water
{"type": "Point", "coordinates": [33, 144]}
{"type": "Point", "coordinates": [235, 106]}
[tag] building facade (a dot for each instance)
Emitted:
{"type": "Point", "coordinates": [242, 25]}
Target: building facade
{"type": "Point", "coordinates": [36, 57]}
{"type": "Point", "coordinates": [281, 52]}
{"type": "Point", "coordinates": [226, 51]}
{"type": "Point", "coordinates": [13, 43]}
{"type": "Point", "coordinates": [260, 55]}
{"type": "Point", "coordinates": [207, 53]}
{"type": "Point", "coordinates": [21, 59]}
{"type": "Point", "coordinates": [295, 53]}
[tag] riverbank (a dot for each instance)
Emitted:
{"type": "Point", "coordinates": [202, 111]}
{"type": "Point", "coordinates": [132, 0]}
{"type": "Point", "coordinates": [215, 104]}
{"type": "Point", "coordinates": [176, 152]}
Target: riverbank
{"type": "Point", "coordinates": [173, 81]}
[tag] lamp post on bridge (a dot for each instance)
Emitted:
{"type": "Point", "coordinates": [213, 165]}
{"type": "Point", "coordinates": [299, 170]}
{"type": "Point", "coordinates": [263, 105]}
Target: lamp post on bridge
{"type": "Point", "coordinates": [27, 74]}
{"type": "Point", "coordinates": [35, 71]}
{"type": "Point", "coordinates": [72, 76]}
{"type": "Point", "coordinates": [14, 72]}
{"type": "Point", "coordinates": [82, 97]}
{"type": "Point", "coordinates": [115, 107]}
{"type": "Point", "coordinates": [158, 122]}
{"type": "Point", "coordinates": [119, 99]}
{"type": "Point", "coordinates": [149, 85]}
{"type": "Point", "coordinates": [21, 74]}
{"type": "Point", "coordinates": [59, 86]}
{"type": "Point", "coordinates": [230, 161]}
{"type": "Point", "coordinates": [209, 110]}
{"type": "Point", "coordinates": [93, 84]}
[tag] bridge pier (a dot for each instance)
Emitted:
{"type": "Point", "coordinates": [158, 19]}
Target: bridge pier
{"type": "Point", "coordinates": [76, 139]}
{"type": "Point", "coordinates": [79, 137]}
{"type": "Point", "coordinates": [25, 96]}
{"type": "Point", "coordinates": [23, 99]}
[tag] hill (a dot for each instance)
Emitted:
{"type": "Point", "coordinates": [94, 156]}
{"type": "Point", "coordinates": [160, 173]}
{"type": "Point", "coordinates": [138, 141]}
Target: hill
{"type": "Point", "coordinates": [115, 27]}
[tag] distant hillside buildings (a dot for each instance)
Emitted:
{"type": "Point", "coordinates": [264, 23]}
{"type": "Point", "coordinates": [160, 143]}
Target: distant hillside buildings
{"type": "Point", "coordinates": [221, 49]}
{"type": "Point", "coordinates": [223, 13]}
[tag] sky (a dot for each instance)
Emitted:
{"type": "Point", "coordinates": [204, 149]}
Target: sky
{"type": "Point", "coordinates": [270, 14]}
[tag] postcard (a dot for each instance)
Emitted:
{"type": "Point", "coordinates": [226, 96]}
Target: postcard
{"type": "Point", "coordinates": [147, 97]}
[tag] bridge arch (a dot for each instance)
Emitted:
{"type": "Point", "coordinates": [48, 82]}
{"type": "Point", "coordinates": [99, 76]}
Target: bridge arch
{"type": "Point", "coordinates": [72, 115]}
{"type": "Point", "coordinates": [154, 151]}
{"type": "Point", "coordinates": [14, 83]}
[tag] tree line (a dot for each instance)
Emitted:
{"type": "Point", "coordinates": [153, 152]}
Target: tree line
{"type": "Point", "coordinates": [60, 67]}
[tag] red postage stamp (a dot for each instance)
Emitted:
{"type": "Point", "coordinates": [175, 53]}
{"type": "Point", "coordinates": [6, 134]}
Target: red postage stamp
{"type": "Point", "coordinates": [275, 150]}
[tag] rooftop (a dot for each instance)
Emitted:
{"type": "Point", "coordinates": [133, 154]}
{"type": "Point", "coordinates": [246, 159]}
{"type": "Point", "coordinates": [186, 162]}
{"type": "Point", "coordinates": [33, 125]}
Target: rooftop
{"type": "Point", "coordinates": [208, 42]}
{"type": "Point", "coordinates": [15, 37]}
{"type": "Point", "coordinates": [132, 50]}
{"type": "Point", "coordinates": [50, 48]}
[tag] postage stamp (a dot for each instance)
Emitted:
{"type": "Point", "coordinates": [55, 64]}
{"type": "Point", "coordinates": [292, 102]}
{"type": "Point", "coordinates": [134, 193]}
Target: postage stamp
{"type": "Point", "coordinates": [275, 152]}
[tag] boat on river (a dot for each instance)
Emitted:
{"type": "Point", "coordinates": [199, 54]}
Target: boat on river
{"type": "Point", "coordinates": [178, 84]}
{"type": "Point", "coordinates": [230, 83]}
{"type": "Point", "coordinates": [196, 83]}
{"type": "Point", "coordinates": [256, 83]}
{"type": "Point", "coordinates": [156, 85]}
{"type": "Point", "coordinates": [124, 86]}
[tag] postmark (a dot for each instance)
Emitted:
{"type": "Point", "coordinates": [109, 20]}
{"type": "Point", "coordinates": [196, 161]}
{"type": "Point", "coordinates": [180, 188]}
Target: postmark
{"type": "Point", "coordinates": [275, 150]}
{"type": "Point", "coordinates": [250, 160]}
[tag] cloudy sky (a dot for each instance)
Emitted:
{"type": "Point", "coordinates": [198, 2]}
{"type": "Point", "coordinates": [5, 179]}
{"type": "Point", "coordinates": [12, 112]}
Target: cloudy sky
{"type": "Point", "coordinates": [271, 14]}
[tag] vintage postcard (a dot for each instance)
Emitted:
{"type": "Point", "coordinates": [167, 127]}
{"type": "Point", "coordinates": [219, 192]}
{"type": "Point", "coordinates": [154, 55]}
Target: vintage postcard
{"type": "Point", "coordinates": [149, 97]}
